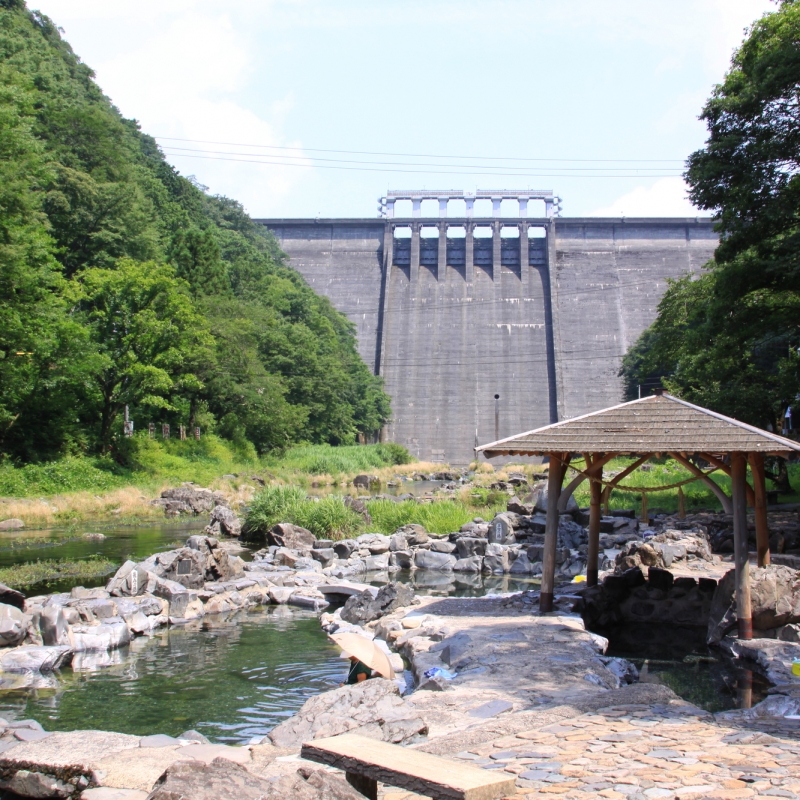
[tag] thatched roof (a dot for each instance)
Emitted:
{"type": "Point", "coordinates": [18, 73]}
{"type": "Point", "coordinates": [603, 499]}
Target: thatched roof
{"type": "Point", "coordinates": [656, 424]}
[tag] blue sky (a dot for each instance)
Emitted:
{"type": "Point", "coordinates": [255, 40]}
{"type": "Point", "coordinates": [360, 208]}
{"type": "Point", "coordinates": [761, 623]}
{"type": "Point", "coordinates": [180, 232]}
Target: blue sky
{"type": "Point", "coordinates": [587, 87]}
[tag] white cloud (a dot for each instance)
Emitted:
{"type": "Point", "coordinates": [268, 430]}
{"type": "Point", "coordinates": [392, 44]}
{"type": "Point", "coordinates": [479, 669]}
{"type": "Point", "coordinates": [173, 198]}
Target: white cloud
{"type": "Point", "coordinates": [665, 198]}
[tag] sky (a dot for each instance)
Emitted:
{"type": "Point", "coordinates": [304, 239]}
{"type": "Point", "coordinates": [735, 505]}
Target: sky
{"type": "Point", "coordinates": [598, 101]}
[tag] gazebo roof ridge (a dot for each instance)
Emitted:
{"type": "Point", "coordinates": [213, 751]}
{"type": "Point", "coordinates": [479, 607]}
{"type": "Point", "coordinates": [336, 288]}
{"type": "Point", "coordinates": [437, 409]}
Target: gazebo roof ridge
{"type": "Point", "coordinates": [670, 425]}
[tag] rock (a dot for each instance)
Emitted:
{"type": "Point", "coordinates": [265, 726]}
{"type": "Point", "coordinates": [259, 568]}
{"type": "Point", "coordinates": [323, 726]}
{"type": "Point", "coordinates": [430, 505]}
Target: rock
{"type": "Point", "coordinates": [109, 793]}
{"type": "Point", "coordinates": [521, 565]}
{"type": "Point", "coordinates": [518, 507]}
{"type": "Point", "coordinates": [325, 556]}
{"type": "Point", "coordinates": [185, 566]}
{"type": "Point", "coordinates": [36, 784]}
{"type": "Point", "coordinates": [469, 564]}
{"type": "Point", "coordinates": [398, 541]}
{"type": "Point", "coordinates": [293, 537]}
{"type": "Point", "coordinates": [501, 530]}
{"type": "Point", "coordinates": [108, 636]}
{"type": "Point", "coordinates": [193, 736]}
{"type": "Point", "coordinates": [11, 597]}
{"type": "Point", "coordinates": [425, 559]}
{"type": "Point", "coordinates": [376, 543]}
{"type": "Point", "coordinates": [372, 708]}
{"type": "Point", "coordinates": [13, 625]}
{"type": "Point", "coordinates": [188, 499]}
{"type": "Point", "coordinates": [130, 580]}
{"type": "Point", "coordinates": [53, 626]}
{"type": "Point", "coordinates": [441, 546]}
{"type": "Point", "coordinates": [363, 608]}
{"type": "Point", "coordinates": [377, 563]}
{"type": "Point", "coordinates": [541, 502]}
{"type": "Point", "coordinates": [359, 506]}
{"type": "Point", "coordinates": [470, 546]}
{"type": "Point", "coordinates": [280, 594]}
{"type": "Point", "coordinates": [220, 780]}
{"type": "Point", "coordinates": [660, 578]}
{"type": "Point", "coordinates": [366, 481]}
{"type": "Point", "coordinates": [345, 548]}
{"type": "Point", "coordinates": [402, 558]}
{"type": "Point", "coordinates": [495, 560]}
{"type": "Point", "coordinates": [11, 524]}
{"type": "Point", "coordinates": [774, 595]}
{"type": "Point", "coordinates": [224, 519]}
{"type": "Point", "coordinates": [35, 659]}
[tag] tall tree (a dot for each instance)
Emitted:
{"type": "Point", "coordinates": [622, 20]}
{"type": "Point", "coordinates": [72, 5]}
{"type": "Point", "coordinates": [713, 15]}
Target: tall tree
{"type": "Point", "coordinates": [730, 339]}
{"type": "Point", "coordinates": [150, 336]}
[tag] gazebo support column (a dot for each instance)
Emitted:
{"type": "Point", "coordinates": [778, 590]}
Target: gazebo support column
{"type": "Point", "coordinates": [595, 511]}
{"type": "Point", "coordinates": [555, 477]}
{"type": "Point", "coordinates": [740, 552]}
{"type": "Point", "coordinates": [762, 525]}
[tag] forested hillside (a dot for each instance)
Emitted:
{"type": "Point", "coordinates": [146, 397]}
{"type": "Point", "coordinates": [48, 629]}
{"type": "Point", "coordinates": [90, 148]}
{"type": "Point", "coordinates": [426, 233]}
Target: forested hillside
{"type": "Point", "coordinates": [122, 282]}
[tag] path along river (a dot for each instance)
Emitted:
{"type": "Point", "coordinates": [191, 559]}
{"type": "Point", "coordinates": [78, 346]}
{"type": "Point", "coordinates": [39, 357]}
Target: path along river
{"type": "Point", "coordinates": [232, 678]}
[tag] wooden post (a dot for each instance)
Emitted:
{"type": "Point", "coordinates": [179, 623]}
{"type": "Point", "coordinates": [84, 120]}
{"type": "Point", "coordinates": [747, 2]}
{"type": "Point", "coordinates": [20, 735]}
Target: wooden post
{"type": "Point", "coordinates": [555, 477]}
{"type": "Point", "coordinates": [367, 786]}
{"type": "Point", "coordinates": [595, 511]}
{"type": "Point", "coordinates": [740, 551]}
{"type": "Point", "coordinates": [762, 525]}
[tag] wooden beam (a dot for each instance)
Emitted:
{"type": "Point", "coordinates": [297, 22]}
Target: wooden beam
{"type": "Point", "coordinates": [762, 525]}
{"type": "Point", "coordinates": [724, 500]}
{"type": "Point", "coordinates": [721, 465]}
{"type": "Point", "coordinates": [624, 474]}
{"type": "Point", "coordinates": [555, 477]}
{"type": "Point", "coordinates": [740, 550]}
{"type": "Point", "coordinates": [579, 479]}
{"type": "Point", "coordinates": [595, 512]}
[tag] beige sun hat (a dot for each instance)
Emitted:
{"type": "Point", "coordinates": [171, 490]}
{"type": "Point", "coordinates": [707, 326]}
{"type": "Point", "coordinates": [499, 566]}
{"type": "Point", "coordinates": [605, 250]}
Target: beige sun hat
{"type": "Point", "coordinates": [366, 651]}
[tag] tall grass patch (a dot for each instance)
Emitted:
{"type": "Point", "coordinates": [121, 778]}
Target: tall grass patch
{"type": "Point", "coordinates": [325, 517]}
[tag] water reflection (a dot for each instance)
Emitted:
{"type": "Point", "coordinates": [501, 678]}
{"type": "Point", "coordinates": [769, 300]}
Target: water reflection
{"type": "Point", "coordinates": [455, 584]}
{"type": "Point", "coordinates": [230, 678]}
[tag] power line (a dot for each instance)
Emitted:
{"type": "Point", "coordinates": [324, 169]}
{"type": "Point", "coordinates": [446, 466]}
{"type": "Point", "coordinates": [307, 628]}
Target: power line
{"type": "Point", "coordinates": [424, 155]}
{"type": "Point", "coordinates": [419, 171]}
{"type": "Point", "coordinates": [376, 163]}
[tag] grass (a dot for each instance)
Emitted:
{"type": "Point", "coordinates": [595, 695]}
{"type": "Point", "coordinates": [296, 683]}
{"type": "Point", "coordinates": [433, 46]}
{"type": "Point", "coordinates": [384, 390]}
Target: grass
{"type": "Point", "coordinates": [22, 575]}
{"type": "Point", "coordinates": [75, 490]}
{"type": "Point", "coordinates": [329, 517]}
{"type": "Point", "coordinates": [661, 473]}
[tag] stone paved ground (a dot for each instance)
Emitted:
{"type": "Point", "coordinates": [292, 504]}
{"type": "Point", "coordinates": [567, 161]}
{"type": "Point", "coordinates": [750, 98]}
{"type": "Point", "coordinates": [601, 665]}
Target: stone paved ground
{"type": "Point", "coordinates": [644, 752]}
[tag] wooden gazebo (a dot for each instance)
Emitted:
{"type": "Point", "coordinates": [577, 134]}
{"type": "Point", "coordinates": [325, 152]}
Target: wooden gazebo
{"type": "Point", "coordinates": [653, 426]}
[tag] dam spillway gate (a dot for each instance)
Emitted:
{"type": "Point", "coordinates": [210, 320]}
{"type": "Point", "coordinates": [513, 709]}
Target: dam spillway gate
{"type": "Point", "coordinates": [486, 326]}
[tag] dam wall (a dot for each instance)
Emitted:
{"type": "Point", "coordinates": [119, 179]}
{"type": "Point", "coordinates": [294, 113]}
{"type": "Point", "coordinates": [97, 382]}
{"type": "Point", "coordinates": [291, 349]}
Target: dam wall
{"type": "Point", "coordinates": [483, 328]}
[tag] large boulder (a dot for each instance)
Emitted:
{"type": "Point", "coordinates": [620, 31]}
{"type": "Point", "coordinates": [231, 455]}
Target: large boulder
{"type": "Point", "coordinates": [188, 499]}
{"type": "Point", "coordinates": [292, 537]}
{"type": "Point", "coordinates": [774, 595]}
{"type": "Point", "coordinates": [224, 779]}
{"type": "Point", "coordinates": [11, 597]}
{"type": "Point", "coordinates": [541, 499]}
{"type": "Point", "coordinates": [440, 562]}
{"type": "Point", "coordinates": [13, 625]}
{"type": "Point", "coordinates": [131, 579]}
{"type": "Point", "coordinates": [224, 521]}
{"type": "Point", "coordinates": [363, 607]}
{"type": "Point", "coordinates": [185, 566]}
{"type": "Point", "coordinates": [372, 708]}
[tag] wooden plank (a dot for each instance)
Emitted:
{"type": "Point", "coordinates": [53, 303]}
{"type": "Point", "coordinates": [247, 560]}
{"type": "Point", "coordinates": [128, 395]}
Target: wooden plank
{"type": "Point", "coordinates": [423, 773]}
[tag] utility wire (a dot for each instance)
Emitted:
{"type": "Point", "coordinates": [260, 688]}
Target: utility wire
{"type": "Point", "coordinates": [424, 155]}
{"type": "Point", "coordinates": [315, 159]}
{"type": "Point", "coordinates": [420, 171]}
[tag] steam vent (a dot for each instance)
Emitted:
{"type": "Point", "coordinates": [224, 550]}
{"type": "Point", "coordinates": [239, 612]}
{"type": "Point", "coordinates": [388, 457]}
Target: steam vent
{"type": "Point", "coordinates": [488, 313]}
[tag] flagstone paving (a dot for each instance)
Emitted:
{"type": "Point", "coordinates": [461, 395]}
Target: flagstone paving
{"type": "Point", "coordinates": [642, 752]}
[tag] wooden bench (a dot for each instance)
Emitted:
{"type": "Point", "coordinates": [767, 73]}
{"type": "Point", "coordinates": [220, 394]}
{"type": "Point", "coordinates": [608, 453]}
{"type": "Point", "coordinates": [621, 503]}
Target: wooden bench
{"type": "Point", "coordinates": [367, 761]}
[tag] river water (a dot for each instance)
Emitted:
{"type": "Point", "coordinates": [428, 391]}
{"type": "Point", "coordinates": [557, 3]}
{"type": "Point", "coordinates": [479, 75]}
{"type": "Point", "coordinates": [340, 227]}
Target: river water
{"type": "Point", "coordinates": [234, 678]}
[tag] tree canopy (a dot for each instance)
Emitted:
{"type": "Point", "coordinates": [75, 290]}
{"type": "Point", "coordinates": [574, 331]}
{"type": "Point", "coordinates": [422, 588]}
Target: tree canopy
{"type": "Point", "coordinates": [124, 283]}
{"type": "Point", "coordinates": [729, 338]}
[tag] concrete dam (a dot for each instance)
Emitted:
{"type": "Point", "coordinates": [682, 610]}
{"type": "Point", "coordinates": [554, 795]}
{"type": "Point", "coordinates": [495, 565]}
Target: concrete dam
{"type": "Point", "coordinates": [487, 326]}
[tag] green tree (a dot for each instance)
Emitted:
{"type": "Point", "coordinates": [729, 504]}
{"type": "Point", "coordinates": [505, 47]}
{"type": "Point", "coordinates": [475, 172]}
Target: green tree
{"type": "Point", "coordinates": [730, 339]}
{"type": "Point", "coordinates": [149, 334]}
{"type": "Point", "coordinates": [197, 260]}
